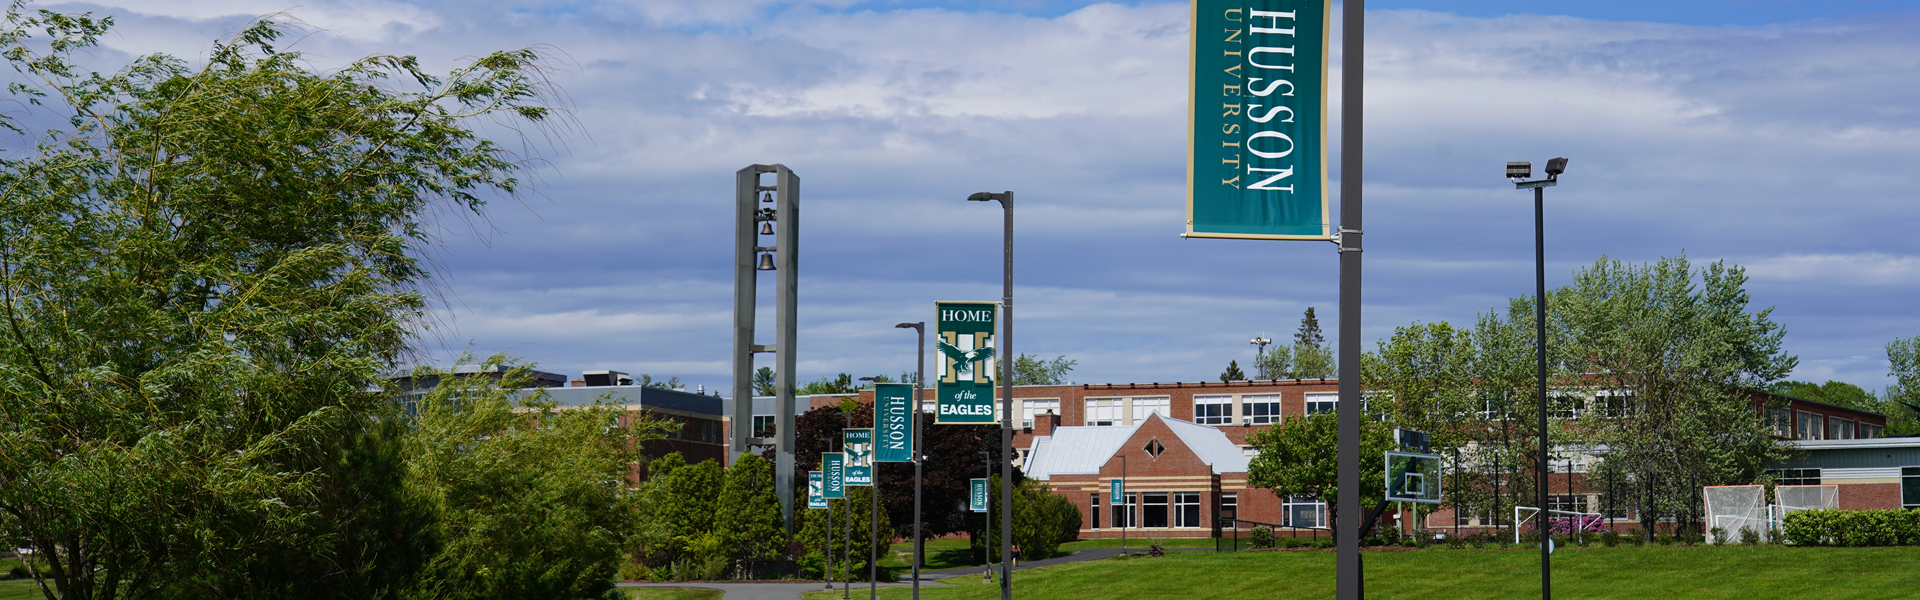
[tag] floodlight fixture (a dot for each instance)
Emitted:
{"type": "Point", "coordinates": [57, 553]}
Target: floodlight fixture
{"type": "Point", "coordinates": [1519, 170]}
{"type": "Point", "coordinates": [1555, 167]}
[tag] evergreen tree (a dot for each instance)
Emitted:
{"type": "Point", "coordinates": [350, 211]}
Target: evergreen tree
{"type": "Point", "coordinates": [1311, 357]}
{"type": "Point", "coordinates": [763, 382]}
{"type": "Point", "coordinates": [749, 513]}
{"type": "Point", "coordinates": [1233, 372]}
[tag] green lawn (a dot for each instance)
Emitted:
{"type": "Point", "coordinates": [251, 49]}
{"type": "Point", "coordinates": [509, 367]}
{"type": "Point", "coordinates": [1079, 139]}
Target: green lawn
{"type": "Point", "coordinates": [1705, 572]}
{"type": "Point", "coordinates": [672, 594]}
{"type": "Point", "coordinates": [19, 589]}
{"type": "Point", "coordinates": [941, 554]}
{"type": "Point", "coordinates": [1140, 543]}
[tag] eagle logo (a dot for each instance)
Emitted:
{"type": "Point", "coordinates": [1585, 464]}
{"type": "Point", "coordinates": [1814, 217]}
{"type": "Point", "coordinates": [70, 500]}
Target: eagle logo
{"type": "Point", "coordinates": [963, 359]}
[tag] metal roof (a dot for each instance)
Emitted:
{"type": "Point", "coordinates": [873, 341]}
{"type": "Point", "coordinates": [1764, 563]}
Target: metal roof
{"type": "Point", "coordinates": [1081, 450]}
{"type": "Point", "coordinates": [632, 395]}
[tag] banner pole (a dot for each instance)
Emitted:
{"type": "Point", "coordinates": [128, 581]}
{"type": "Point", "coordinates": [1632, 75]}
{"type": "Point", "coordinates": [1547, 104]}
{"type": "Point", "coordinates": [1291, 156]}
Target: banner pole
{"type": "Point", "coordinates": [1347, 535]}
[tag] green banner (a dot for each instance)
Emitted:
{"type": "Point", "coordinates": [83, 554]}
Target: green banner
{"type": "Point", "coordinates": [831, 465]}
{"type": "Point", "coordinates": [1116, 490]}
{"type": "Point", "coordinates": [977, 495]}
{"type": "Point", "coordinates": [893, 414]}
{"type": "Point", "coordinates": [1257, 129]}
{"type": "Point", "coordinates": [815, 483]}
{"type": "Point", "coordinates": [859, 450]}
{"type": "Point", "coordinates": [964, 366]}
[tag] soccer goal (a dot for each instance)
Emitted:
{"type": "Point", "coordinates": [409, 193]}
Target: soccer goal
{"type": "Point", "coordinates": [1736, 509]}
{"type": "Point", "coordinates": [1790, 498]}
{"type": "Point", "coordinates": [1578, 522]}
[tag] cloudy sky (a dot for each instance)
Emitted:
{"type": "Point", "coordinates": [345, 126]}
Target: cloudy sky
{"type": "Point", "coordinates": [1782, 135]}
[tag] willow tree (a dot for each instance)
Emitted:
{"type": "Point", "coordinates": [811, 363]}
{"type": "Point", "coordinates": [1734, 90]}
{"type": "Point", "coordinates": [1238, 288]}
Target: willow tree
{"type": "Point", "coordinates": [204, 272]}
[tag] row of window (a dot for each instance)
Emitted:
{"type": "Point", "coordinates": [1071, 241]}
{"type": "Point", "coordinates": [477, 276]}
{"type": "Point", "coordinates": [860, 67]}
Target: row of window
{"type": "Point", "coordinates": [1816, 426]}
{"type": "Point", "coordinates": [1182, 509]}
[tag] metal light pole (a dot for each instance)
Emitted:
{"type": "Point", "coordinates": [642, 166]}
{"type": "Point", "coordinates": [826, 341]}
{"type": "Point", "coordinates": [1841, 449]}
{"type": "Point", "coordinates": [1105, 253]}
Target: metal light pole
{"type": "Point", "coordinates": [1126, 509]}
{"type": "Point", "coordinates": [873, 505]}
{"type": "Point", "coordinates": [1260, 356]}
{"type": "Point", "coordinates": [846, 559]}
{"type": "Point", "coordinates": [828, 576]}
{"type": "Point", "coordinates": [986, 575]}
{"type": "Point", "coordinates": [1350, 575]}
{"type": "Point", "coordinates": [919, 384]}
{"type": "Point", "coordinates": [1006, 392]}
{"type": "Point", "coordinates": [1519, 171]}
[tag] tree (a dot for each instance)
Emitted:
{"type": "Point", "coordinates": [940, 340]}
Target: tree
{"type": "Point", "coordinates": [531, 500]}
{"type": "Point", "coordinates": [763, 382]}
{"type": "Point", "coordinates": [749, 513]}
{"type": "Point", "coordinates": [839, 384]}
{"type": "Point", "coordinates": [204, 274]}
{"type": "Point", "coordinates": [1033, 370]}
{"type": "Point", "coordinates": [1275, 363]}
{"type": "Point", "coordinates": [1300, 459]}
{"type": "Point", "coordinates": [848, 540]}
{"type": "Point", "coordinates": [670, 383]}
{"type": "Point", "coordinates": [1311, 357]}
{"type": "Point", "coordinates": [1233, 372]}
{"type": "Point", "coordinates": [1683, 343]}
{"type": "Point", "coordinates": [1903, 409]}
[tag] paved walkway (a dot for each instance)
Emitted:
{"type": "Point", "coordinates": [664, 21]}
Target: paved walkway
{"type": "Point", "coordinates": [792, 591]}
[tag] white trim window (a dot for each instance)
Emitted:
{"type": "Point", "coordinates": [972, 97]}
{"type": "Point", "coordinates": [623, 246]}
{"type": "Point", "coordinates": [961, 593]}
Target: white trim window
{"type": "Point", "coordinates": [1304, 512]}
{"type": "Point", "coordinates": [1839, 429]}
{"type": "Point", "coordinates": [1782, 422]}
{"type": "Point", "coordinates": [1145, 406]}
{"type": "Point", "coordinates": [1869, 431]}
{"type": "Point", "coordinates": [1812, 426]}
{"type": "Point", "coordinates": [1213, 410]}
{"type": "Point", "coordinates": [1186, 509]}
{"type": "Point", "coordinates": [1323, 402]}
{"type": "Point", "coordinates": [1261, 410]}
{"type": "Point", "coordinates": [1103, 412]}
{"type": "Point", "coordinates": [1153, 509]}
{"type": "Point", "coordinates": [1041, 406]}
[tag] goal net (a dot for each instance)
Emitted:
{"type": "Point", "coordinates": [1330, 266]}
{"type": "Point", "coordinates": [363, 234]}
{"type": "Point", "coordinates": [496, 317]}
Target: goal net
{"type": "Point", "coordinates": [1735, 509]}
{"type": "Point", "coordinates": [1805, 497]}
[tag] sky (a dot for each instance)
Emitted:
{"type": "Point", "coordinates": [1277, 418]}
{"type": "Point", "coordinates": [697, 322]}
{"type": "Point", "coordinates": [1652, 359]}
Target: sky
{"type": "Point", "coordinates": [1778, 135]}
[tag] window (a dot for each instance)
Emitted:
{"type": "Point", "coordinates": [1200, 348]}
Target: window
{"type": "Point", "coordinates": [1103, 412]}
{"type": "Point", "coordinates": [1795, 476]}
{"type": "Point", "coordinates": [1839, 429]}
{"type": "Point", "coordinates": [1229, 506]}
{"type": "Point", "coordinates": [1782, 422]}
{"type": "Point", "coordinates": [763, 426]}
{"type": "Point", "coordinates": [1616, 403]}
{"type": "Point", "coordinates": [1037, 407]}
{"type": "Point", "coordinates": [1153, 448]}
{"type": "Point", "coordinates": [1304, 512]}
{"type": "Point", "coordinates": [1153, 509]}
{"type": "Point", "coordinates": [1495, 407]}
{"type": "Point", "coordinates": [1261, 410]}
{"type": "Point", "coordinates": [1186, 509]}
{"type": "Point", "coordinates": [1465, 517]}
{"type": "Point", "coordinates": [1093, 511]}
{"type": "Point", "coordinates": [1567, 502]}
{"type": "Point", "coordinates": [1567, 407]}
{"type": "Point", "coordinates": [1213, 410]}
{"type": "Point", "coordinates": [1910, 487]}
{"type": "Point", "coordinates": [1319, 403]}
{"type": "Point", "coordinates": [1123, 516]}
{"type": "Point", "coordinates": [1811, 426]}
{"type": "Point", "coordinates": [1145, 406]}
{"type": "Point", "coordinates": [1869, 431]}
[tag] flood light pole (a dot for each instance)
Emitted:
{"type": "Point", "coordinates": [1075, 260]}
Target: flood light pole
{"type": "Point", "coordinates": [919, 378]}
{"type": "Point", "coordinates": [1519, 172]}
{"type": "Point", "coordinates": [1005, 351]}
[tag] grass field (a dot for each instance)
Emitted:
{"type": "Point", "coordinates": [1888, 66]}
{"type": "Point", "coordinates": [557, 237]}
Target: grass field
{"type": "Point", "coordinates": [19, 589]}
{"type": "Point", "coordinates": [941, 554]}
{"type": "Point", "coordinates": [1138, 543]}
{"type": "Point", "coordinates": [1702, 572]}
{"type": "Point", "coordinates": [672, 594]}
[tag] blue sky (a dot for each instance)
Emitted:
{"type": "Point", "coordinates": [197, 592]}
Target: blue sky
{"type": "Point", "coordinates": [1777, 135]}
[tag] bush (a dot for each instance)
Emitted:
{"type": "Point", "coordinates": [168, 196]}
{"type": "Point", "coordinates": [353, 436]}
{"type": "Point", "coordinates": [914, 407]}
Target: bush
{"type": "Point", "coordinates": [1261, 537]}
{"type": "Point", "coordinates": [1749, 536]}
{"type": "Point", "coordinates": [1610, 538]}
{"type": "Point", "coordinates": [1885, 527]}
{"type": "Point", "coordinates": [813, 566]}
{"type": "Point", "coordinates": [19, 572]}
{"type": "Point", "coordinates": [1719, 536]}
{"type": "Point", "coordinates": [1664, 539]}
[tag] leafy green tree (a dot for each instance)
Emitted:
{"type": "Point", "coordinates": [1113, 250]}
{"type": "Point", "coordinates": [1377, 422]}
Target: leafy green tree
{"type": "Point", "coordinates": [1233, 372]}
{"type": "Point", "coordinates": [1903, 397]}
{"type": "Point", "coordinates": [1029, 369]}
{"type": "Point", "coordinates": [763, 382]}
{"type": "Point", "coordinates": [1300, 459]}
{"type": "Point", "coordinates": [1274, 363]}
{"type": "Point", "coordinates": [749, 513]}
{"type": "Point", "coordinates": [848, 540]}
{"type": "Point", "coordinates": [1684, 344]}
{"type": "Point", "coordinates": [838, 384]}
{"type": "Point", "coordinates": [532, 501]}
{"type": "Point", "coordinates": [204, 273]}
{"type": "Point", "coordinates": [670, 383]}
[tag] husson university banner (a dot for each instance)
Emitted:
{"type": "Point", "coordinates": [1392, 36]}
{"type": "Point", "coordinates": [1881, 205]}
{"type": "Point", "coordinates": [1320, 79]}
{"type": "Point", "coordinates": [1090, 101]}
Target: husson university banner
{"type": "Point", "coordinates": [1257, 127]}
{"type": "Point", "coordinates": [834, 471]}
{"type": "Point", "coordinates": [894, 414]}
{"type": "Point", "coordinates": [816, 484]}
{"type": "Point", "coordinates": [964, 363]}
{"type": "Point", "coordinates": [858, 447]}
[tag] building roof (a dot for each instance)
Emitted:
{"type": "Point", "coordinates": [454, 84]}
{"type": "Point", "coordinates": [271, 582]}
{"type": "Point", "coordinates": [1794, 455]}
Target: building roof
{"type": "Point", "coordinates": [648, 398]}
{"type": "Point", "coordinates": [1082, 450]}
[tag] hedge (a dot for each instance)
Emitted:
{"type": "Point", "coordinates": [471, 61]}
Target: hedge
{"type": "Point", "coordinates": [1885, 527]}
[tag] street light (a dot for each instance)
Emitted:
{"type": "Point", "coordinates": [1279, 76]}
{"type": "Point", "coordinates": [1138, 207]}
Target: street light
{"type": "Point", "coordinates": [873, 510]}
{"type": "Point", "coordinates": [919, 379]}
{"type": "Point", "coordinates": [1260, 356]}
{"type": "Point", "coordinates": [1518, 172]}
{"type": "Point", "coordinates": [1006, 391]}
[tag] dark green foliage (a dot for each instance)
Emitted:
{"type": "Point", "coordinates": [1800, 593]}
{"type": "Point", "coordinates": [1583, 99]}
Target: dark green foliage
{"type": "Point", "coordinates": [764, 383]}
{"type": "Point", "coordinates": [1298, 458]}
{"type": "Point", "coordinates": [1029, 369]}
{"type": "Point", "coordinates": [1884, 527]}
{"type": "Point", "coordinates": [749, 514]}
{"type": "Point", "coordinates": [1233, 372]}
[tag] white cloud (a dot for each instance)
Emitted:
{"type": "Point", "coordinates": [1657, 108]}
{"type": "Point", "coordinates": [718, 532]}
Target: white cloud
{"type": "Point", "coordinates": [1859, 269]}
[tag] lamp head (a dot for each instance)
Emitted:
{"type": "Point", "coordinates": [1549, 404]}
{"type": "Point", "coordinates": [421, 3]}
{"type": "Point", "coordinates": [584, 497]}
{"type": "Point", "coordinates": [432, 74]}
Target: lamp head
{"type": "Point", "coordinates": [910, 325]}
{"type": "Point", "coordinates": [1556, 166]}
{"type": "Point", "coordinates": [980, 197]}
{"type": "Point", "coordinates": [1519, 169]}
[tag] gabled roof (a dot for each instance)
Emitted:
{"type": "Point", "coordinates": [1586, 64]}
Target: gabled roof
{"type": "Point", "coordinates": [1081, 450]}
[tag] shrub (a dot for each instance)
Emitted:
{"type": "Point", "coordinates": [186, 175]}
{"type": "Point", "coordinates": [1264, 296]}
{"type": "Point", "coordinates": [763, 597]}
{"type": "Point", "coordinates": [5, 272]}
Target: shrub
{"type": "Point", "coordinates": [19, 572]}
{"type": "Point", "coordinates": [1610, 538]}
{"type": "Point", "coordinates": [1664, 539]}
{"type": "Point", "coordinates": [1749, 536]}
{"type": "Point", "coordinates": [1886, 527]}
{"type": "Point", "coordinates": [1456, 542]}
{"type": "Point", "coordinates": [812, 566]}
{"type": "Point", "coordinates": [1261, 537]}
{"type": "Point", "coordinates": [1719, 536]}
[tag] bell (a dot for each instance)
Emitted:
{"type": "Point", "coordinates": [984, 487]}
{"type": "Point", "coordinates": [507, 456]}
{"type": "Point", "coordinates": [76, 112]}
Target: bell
{"type": "Point", "coordinates": [766, 262]}
{"type": "Point", "coordinates": [767, 198]}
{"type": "Point", "coordinates": [766, 228]}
